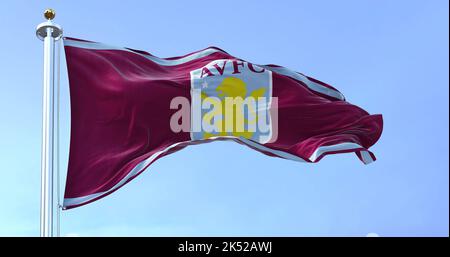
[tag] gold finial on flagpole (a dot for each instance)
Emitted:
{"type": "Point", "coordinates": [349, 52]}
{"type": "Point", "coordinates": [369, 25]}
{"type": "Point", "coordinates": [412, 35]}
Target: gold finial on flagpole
{"type": "Point", "coordinates": [49, 14]}
{"type": "Point", "coordinates": [42, 29]}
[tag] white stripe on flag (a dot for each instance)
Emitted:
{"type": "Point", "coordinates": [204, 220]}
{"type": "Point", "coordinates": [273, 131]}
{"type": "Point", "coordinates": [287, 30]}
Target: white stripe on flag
{"type": "Point", "coordinates": [160, 61]}
{"type": "Point", "coordinates": [141, 166]}
{"type": "Point", "coordinates": [333, 148]}
{"type": "Point", "coordinates": [366, 157]}
{"type": "Point", "coordinates": [136, 170]}
{"type": "Point", "coordinates": [164, 62]}
{"type": "Point", "coordinates": [310, 84]}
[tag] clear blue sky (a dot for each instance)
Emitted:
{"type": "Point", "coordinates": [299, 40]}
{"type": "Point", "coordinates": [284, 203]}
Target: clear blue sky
{"type": "Point", "coordinates": [389, 57]}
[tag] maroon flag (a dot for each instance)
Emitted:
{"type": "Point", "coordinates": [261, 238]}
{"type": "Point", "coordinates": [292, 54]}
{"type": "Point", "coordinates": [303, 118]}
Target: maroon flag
{"type": "Point", "coordinates": [129, 108]}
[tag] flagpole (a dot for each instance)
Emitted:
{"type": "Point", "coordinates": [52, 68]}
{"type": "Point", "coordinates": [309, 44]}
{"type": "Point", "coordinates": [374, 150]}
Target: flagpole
{"type": "Point", "coordinates": [48, 32]}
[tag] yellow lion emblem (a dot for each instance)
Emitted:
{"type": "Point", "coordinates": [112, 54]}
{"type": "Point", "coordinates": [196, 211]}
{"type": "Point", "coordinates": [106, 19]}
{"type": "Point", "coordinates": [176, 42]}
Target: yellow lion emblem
{"type": "Point", "coordinates": [232, 87]}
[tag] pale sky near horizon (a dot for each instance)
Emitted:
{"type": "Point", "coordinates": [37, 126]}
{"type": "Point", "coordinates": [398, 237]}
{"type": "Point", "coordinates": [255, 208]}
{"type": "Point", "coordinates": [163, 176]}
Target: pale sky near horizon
{"type": "Point", "coordinates": [388, 57]}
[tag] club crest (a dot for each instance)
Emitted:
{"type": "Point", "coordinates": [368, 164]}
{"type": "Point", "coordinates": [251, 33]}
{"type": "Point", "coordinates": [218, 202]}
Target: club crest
{"type": "Point", "coordinates": [231, 98]}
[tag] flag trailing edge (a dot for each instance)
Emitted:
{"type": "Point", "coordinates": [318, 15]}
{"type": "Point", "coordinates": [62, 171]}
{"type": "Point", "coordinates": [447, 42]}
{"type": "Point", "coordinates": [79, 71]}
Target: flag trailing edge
{"type": "Point", "coordinates": [123, 120]}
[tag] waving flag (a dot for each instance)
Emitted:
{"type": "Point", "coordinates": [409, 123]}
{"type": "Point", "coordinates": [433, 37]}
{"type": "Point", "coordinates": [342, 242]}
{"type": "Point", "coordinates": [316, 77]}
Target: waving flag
{"type": "Point", "coordinates": [129, 108]}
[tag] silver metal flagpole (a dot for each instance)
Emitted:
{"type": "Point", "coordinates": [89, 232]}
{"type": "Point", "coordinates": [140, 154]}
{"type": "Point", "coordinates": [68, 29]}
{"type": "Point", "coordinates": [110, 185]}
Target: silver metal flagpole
{"type": "Point", "coordinates": [48, 32]}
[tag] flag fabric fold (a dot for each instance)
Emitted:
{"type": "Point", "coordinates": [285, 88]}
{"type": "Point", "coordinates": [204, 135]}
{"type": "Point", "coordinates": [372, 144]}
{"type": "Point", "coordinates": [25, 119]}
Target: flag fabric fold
{"type": "Point", "coordinates": [125, 114]}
